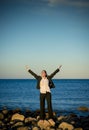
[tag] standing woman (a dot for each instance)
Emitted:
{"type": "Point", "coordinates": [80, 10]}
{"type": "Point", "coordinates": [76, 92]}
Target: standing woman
{"type": "Point", "coordinates": [44, 83]}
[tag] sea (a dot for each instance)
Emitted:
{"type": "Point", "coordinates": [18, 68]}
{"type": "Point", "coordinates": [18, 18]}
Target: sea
{"type": "Point", "coordinates": [67, 96]}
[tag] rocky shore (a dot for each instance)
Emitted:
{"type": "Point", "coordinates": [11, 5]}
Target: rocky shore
{"type": "Point", "coordinates": [28, 120]}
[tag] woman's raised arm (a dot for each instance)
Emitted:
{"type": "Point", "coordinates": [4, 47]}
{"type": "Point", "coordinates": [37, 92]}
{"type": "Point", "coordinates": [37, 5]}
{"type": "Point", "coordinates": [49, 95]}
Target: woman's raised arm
{"type": "Point", "coordinates": [31, 72]}
{"type": "Point", "coordinates": [56, 71]}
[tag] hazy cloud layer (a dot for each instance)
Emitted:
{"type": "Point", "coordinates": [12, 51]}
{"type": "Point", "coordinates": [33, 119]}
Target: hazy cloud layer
{"type": "Point", "coordinates": [76, 3]}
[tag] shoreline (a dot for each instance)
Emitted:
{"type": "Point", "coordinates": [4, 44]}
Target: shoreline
{"type": "Point", "coordinates": [17, 119]}
{"type": "Point", "coordinates": [79, 111]}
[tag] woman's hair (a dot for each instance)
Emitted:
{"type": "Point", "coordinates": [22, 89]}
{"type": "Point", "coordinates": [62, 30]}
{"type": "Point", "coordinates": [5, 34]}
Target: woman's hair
{"type": "Point", "coordinates": [45, 72]}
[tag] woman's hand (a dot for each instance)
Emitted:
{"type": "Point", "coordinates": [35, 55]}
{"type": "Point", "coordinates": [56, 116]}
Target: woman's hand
{"type": "Point", "coordinates": [59, 67]}
{"type": "Point", "coordinates": [27, 67]}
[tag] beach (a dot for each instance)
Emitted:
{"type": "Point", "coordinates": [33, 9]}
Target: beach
{"type": "Point", "coordinates": [17, 119]}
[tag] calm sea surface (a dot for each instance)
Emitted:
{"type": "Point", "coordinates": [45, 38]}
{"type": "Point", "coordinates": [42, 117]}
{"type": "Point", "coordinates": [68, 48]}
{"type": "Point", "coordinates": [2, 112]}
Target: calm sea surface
{"type": "Point", "coordinates": [66, 97]}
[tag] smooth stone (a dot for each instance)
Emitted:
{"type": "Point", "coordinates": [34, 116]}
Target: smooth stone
{"type": "Point", "coordinates": [5, 111]}
{"type": "Point", "coordinates": [29, 119]}
{"type": "Point", "coordinates": [38, 117]}
{"type": "Point", "coordinates": [35, 128]}
{"type": "Point", "coordinates": [6, 120]}
{"type": "Point", "coordinates": [40, 124]}
{"type": "Point", "coordinates": [43, 124]}
{"type": "Point", "coordinates": [17, 116]}
{"type": "Point", "coordinates": [58, 129]}
{"type": "Point", "coordinates": [1, 123]}
{"type": "Point", "coordinates": [72, 122]}
{"type": "Point", "coordinates": [60, 118]}
{"type": "Point", "coordinates": [48, 128]}
{"type": "Point", "coordinates": [1, 116]}
{"type": "Point", "coordinates": [11, 122]}
{"type": "Point", "coordinates": [52, 123]}
{"type": "Point", "coordinates": [18, 124]}
{"type": "Point", "coordinates": [46, 124]}
{"type": "Point", "coordinates": [78, 129]}
{"type": "Point", "coordinates": [54, 113]}
{"type": "Point", "coordinates": [65, 125]}
{"type": "Point", "coordinates": [83, 108]}
{"type": "Point", "coordinates": [24, 128]}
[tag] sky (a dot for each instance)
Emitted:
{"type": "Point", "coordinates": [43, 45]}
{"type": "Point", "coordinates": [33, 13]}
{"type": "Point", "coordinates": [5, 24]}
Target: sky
{"type": "Point", "coordinates": [44, 34]}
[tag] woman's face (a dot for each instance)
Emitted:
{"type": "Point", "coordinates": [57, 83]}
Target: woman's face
{"type": "Point", "coordinates": [43, 74]}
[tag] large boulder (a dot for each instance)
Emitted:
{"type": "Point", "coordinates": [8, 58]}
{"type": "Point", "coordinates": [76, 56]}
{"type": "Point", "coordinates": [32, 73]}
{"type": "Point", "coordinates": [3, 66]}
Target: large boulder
{"type": "Point", "coordinates": [83, 108]}
{"type": "Point", "coordinates": [43, 124]}
{"type": "Point", "coordinates": [46, 124]}
{"type": "Point", "coordinates": [18, 117]}
{"type": "Point", "coordinates": [65, 125]}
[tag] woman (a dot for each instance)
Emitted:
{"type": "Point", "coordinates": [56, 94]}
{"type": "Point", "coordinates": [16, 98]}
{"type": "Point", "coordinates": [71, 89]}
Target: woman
{"type": "Point", "coordinates": [44, 83]}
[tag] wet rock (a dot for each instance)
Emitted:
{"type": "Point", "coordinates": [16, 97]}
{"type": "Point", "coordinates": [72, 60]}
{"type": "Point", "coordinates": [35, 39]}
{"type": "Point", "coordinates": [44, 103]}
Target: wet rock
{"type": "Point", "coordinates": [18, 124]}
{"type": "Point", "coordinates": [12, 122]}
{"type": "Point", "coordinates": [46, 125]}
{"type": "Point", "coordinates": [24, 128]}
{"type": "Point", "coordinates": [6, 120]}
{"type": "Point", "coordinates": [28, 113]}
{"type": "Point", "coordinates": [17, 117]}
{"type": "Point", "coordinates": [65, 125]}
{"type": "Point", "coordinates": [5, 111]}
{"type": "Point", "coordinates": [83, 108]}
{"type": "Point", "coordinates": [84, 122]}
{"type": "Point", "coordinates": [1, 123]}
{"type": "Point", "coordinates": [54, 114]}
{"type": "Point", "coordinates": [48, 128]}
{"type": "Point", "coordinates": [40, 124]}
{"type": "Point", "coordinates": [38, 117]}
{"type": "Point", "coordinates": [35, 128]}
{"type": "Point", "coordinates": [78, 129]}
{"type": "Point", "coordinates": [1, 116]}
{"type": "Point", "coordinates": [52, 123]}
{"type": "Point", "coordinates": [29, 119]}
{"type": "Point", "coordinates": [17, 110]}
{"type": "Point", "coordinates": [43, 124]}
{"type": "Point", "coordinates": [60, 118]}
{"type": "Point", "coordinates": [72, 122]}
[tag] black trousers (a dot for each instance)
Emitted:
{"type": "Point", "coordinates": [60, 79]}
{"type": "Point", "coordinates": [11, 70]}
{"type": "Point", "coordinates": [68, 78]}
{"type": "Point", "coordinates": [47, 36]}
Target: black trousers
{"type": "Point", "coordinates": [44, 97]}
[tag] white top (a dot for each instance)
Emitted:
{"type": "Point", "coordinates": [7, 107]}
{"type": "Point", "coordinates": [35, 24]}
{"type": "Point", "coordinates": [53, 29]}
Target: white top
{"type": "Point", "coordinates": [44, 85]}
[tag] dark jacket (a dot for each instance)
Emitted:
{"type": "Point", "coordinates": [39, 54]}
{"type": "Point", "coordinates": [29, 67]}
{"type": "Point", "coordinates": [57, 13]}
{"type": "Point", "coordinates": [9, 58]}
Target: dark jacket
{"type": "Point", "coordinates": [49, 77]}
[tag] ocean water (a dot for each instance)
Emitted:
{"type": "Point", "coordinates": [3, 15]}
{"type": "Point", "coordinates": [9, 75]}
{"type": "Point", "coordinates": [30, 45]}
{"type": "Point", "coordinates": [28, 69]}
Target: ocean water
{"type": "Point", "coordinates": [68, 95]}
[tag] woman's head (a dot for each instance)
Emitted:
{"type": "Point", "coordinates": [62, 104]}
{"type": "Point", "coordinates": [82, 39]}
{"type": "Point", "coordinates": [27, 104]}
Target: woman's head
{"type": "Point", "coordinates": [43, 73]}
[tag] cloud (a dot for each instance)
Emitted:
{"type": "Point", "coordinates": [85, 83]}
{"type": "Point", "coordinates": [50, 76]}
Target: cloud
{"type": "Point", "coordinates": [75, 3]}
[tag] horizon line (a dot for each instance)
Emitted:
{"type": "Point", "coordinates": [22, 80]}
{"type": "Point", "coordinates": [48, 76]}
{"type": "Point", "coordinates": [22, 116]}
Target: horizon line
{"type": "Point", "coordinates": [35, 79]}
